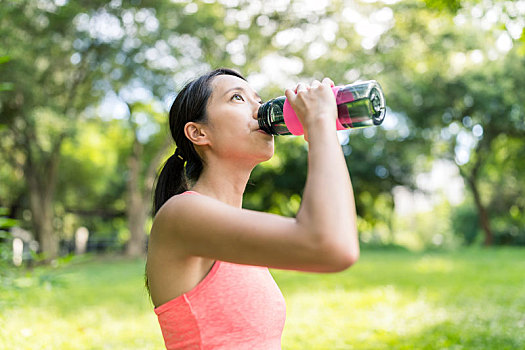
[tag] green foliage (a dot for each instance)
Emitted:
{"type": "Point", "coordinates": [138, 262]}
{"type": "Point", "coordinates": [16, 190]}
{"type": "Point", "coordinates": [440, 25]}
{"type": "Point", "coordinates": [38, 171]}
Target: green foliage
{"type": "Point", "coordinates": [60, 71]}
{"type": "Point", "coordinates": [277, 184]}
{"type": "Point", "coordinates": [428, 230]}
{"type": "Point", "coordinates": [503, 187]}
{"type": "Point", "coordinates": [451, 99]}
{"type": "Point", "coordinates": [444, 5]}
{"type": "Point", "coordinates": [6, 248]}
{"type": "Point", "coordinates": [4, 85]}
{"type": "Point", "coordinates": [465, 222]}
{"type": "Point", "coordinates": [503, 179]}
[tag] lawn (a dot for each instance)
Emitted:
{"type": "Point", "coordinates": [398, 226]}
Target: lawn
{"type": "Point", "coordinates": [468, 299]}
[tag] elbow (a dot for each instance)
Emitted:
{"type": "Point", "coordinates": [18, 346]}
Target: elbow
{"type": "Point", "coordinates": [339, 256]}
{"type": "Point", "coordinates": [351, 258]}
{"type": "Point", "coordinates": [344, 260]}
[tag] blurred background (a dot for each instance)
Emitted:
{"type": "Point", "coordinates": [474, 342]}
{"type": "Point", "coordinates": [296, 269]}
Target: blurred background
{"type": "Point", "coordinates": [85, 87]}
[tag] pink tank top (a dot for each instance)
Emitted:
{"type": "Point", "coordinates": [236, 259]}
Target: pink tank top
{"type": "Point", "coordinates": [233, 307]}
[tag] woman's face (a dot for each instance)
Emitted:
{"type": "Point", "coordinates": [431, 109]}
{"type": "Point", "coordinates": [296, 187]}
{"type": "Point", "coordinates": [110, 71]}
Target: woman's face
{"type": "Point", "coordinates": [232, 121]}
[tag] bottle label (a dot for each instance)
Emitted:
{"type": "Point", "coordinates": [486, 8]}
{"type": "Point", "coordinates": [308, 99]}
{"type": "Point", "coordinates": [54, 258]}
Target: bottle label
{"type": "Point", "coordinates": [342, 97]}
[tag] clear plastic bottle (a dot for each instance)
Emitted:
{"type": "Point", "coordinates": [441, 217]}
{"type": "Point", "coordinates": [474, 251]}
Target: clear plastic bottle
{"type": "Point", "coordinates": [359, 105]}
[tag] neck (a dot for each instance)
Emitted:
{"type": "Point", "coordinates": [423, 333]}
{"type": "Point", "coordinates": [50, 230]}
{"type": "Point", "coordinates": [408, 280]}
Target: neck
{"type": "Point", "coordinates": [223, 181]}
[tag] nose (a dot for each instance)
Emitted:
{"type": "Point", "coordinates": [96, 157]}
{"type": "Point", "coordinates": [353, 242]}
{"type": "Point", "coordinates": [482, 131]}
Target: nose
{"type": "Point", "coordinates": [255, 109]}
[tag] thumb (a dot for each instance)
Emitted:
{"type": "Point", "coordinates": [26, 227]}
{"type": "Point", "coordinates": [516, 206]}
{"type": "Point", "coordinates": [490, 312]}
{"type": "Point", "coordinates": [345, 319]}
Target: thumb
{"type": "Point", "coordinates": [290, 95]}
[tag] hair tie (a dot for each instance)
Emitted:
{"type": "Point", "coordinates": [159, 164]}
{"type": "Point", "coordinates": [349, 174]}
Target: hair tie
{"type": "Point", "coordinates": [178, 154]}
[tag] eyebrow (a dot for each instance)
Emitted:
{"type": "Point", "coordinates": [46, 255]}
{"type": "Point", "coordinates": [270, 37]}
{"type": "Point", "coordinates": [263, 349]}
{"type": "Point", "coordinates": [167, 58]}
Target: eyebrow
{"type": "Point", "coordinates": [241, 89]}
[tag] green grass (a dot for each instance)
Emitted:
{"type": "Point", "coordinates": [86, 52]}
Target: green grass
{"type": "Point", "coordinates": [469, 299]}
{"type": "Point", "coordinates": [395, 300]}
{"type": "Point", "coordinates": [98, 304]}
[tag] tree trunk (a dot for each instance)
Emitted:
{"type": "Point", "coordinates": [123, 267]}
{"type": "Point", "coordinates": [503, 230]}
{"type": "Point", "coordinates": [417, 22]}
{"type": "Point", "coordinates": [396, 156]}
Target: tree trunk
{"type": "Point", "coordinates": [42, 212]}
{"type": "Point", "coordinates": [482, 212]}
{"type": "Point", "coordinates": [135, 208]}
{"type": "Point", "coordinates": [480, 153]}
{"type": "Point", "coordinates": [139, 201]}
{"type": "Point", "coordinates": [41, 204]}
{"type": "Point", "coordinates": [136, 246]}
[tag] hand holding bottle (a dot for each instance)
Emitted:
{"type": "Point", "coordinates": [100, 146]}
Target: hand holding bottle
{"type": "Point", "coordinates": [314, 104]}
{"type": "Point", "coordinates": [359, 105]}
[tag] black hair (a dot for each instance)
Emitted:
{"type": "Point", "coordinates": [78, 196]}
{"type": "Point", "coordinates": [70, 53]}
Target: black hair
{"type": "Point", "coordinates": [185, 165]}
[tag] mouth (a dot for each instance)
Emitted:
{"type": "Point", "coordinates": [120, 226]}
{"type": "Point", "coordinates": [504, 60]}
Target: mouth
{"type": "Point", "coordinates": [262, 131]}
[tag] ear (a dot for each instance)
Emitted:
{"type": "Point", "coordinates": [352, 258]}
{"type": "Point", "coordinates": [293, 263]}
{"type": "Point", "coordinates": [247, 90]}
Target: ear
{"type": "Point", "coordinates": [197, 133]}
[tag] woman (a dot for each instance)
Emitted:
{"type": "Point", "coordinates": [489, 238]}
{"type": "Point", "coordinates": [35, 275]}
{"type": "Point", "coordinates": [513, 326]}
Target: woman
{"type": "Point", "coordinates": [208, 259]}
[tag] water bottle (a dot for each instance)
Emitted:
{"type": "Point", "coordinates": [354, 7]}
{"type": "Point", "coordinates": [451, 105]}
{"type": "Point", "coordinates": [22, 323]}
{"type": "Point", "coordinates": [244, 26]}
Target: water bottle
{"type": "Point", "coordinates": [359, 105]}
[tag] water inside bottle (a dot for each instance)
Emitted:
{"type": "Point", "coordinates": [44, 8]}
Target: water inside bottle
{"type": "Point", "coordinates": [362, 112]}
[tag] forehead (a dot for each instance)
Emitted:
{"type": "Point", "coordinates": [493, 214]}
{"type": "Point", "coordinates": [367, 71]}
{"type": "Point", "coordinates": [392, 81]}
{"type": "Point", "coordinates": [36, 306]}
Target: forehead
{"type": "Point", "coordinates": [222, 83]}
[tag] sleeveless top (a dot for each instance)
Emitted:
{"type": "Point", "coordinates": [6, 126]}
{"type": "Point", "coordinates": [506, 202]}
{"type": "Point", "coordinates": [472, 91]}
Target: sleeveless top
{"type": "Point", "coordinates": [233, 307]}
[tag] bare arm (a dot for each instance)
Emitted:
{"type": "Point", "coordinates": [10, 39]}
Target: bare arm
{"type": "Point", "coordinates": [323, 236]}
{"type": "Point", "coordinates": [328, 204]}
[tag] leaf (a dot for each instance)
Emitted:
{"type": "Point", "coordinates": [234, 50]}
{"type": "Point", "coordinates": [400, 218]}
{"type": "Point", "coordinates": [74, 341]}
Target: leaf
{"type": "Point", "coordinates": [6, 86]}
{"type": "Point", "coordinates": [4, 59]}
{"type": "Point", "coordinates": [4, 234]}
{"type": "Point", "coordinates": [444, 5]}
{"type": "Point", "coordinates": [7, 222]}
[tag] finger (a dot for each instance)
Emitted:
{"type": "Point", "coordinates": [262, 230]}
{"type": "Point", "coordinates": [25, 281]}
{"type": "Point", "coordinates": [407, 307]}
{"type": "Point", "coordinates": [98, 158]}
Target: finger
{"type": "Point", "coordinates": [315, 83]}
{"type": "Point", "coordinates": [328, 81]}
{"type": "Point", "coordinates": [301, 87]}
{"type": "Point", "coordinates": [290, 94]}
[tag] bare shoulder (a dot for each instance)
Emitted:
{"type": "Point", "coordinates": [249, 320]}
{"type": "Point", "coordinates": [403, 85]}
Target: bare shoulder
{"type": "Point", "coordinates": [173, 270]}
{"type": "Point", "coordinates": [181, 211]}
{"type": "Point", "coordinates": [193, 220]}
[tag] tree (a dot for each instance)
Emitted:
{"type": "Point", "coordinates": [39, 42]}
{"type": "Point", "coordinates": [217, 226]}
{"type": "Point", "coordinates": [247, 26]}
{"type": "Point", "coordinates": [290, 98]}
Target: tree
{"type": "Point", "coordinates": [50, 89]}
{"type": "Point", "coordinates": [326, 43]}
{"type": "Point", "coordinates": [79, 54]}
{"type": "Point", "coordinates": [457, 103]}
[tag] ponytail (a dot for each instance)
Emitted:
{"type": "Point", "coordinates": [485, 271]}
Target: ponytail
{"type": "Point", "coordinates": [171, 181]}
{"type": "Point", "coordinates": [175, 176]}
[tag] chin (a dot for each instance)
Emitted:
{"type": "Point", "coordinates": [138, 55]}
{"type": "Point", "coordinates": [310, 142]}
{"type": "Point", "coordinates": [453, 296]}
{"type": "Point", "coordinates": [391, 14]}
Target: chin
{"type": "Point", "coordinates": [265, 155]}
{"type": "Point", "coordinates": [268, 156]}
{"type": "Point", "coordinates": [270, 151]}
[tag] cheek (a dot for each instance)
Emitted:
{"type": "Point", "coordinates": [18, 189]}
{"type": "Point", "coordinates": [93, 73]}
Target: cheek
{"type": "Point", "coordinates": [229, 123]}
{"type": "Point", "coordinates": [220, 130]}
{"type": "Point", "coordinates": [233, 130]}
{"type": "Point", "coordinates": [231, 133]}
